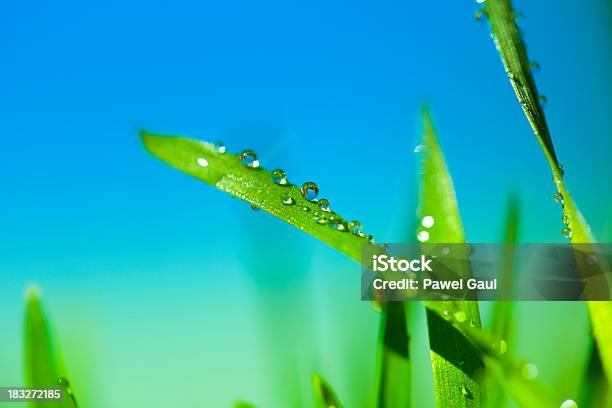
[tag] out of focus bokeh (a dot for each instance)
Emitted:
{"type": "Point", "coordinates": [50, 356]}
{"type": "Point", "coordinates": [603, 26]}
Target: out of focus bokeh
{"type": "Point", "coordinates": [165, 292]}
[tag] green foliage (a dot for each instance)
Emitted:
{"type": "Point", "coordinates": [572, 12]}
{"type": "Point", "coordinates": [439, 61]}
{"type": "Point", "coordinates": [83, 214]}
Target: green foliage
{"type": "Point", "coordinates": [394, 357]}
{"type": "Point", "coordinates": [325, 396]}
{"type": "Point", "coordinates": [457, 365]}
{"type": "Point", "coordinates": [43, 366]}
{"type": "Point", "coordinates": [513, 53]}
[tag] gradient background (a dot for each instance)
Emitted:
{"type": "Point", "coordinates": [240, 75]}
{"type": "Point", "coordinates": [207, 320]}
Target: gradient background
{"type": "Point", "coordinates": [165, 292]}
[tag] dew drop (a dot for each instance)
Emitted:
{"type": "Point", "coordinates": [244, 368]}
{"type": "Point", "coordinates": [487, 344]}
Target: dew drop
{"type": "Point", "coordinates": [279, 177]}
{"type": "Point", "coordinates": [309, 190]}
{"type": "Point", "coordinates": [287, 199]}
{"type": "Point", "coordinates": [503, 347]}
{"type": "Point", "coordinates": [305, 208]}
{"type": "Point", "coordinates": [254, 207]}
{"type": "Point", "coordinates": [465, 392]}
{"type": "Point", "coordinates": [569, 404]}
{"type": "Point", "coordinates": [566, 232]}
{"type": "Point", "coordinates": [419, 148]}
{"type": "Point", "coordinates": [371, 239]}
{"type": "Point", "coordinates": [249, 159]}
{"type": "Point", "coordinates": [565, 219]}
{"type": "Point", "coordinates": [427, 221]}
{"type": "Point", "coordinates": [529, 371]}
{"type": "Point", "coordinates": [356, 228]}
{"type": "Point", "coordinates": [423, 236]}
{"type": "Point", "coordinates": [460, 316]}
{"type": "Point", "coordinates": [319, 218]}
{"type": "Point", "coordinates": [324, 205]}
{"type": "Point", "coordinates": [338, 223]}
{"type": "Point", "coordinates": [558, 197]}
{"type": "Point", "coordinates": [480, 1]}
{"type": "Point", "coordinates": [202, 162]}
{"type": "Point", "coordinates": [220, 146]}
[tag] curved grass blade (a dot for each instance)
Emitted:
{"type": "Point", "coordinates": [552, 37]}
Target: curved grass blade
{"type": "Point", "coordinates": [324, 394]}
{"type": "Point", "coordinates": [394, 359]}
{"type": "Point", "coordinates": [457, 365]}
{"type": "Point", "coordinates": [513, 53]}
{"type": "Point", "coordinates": [502, 317]}
{"type": "Point", "coordinates": [43, 367]}
{"type": "Point", "coordinates": [255, 186]}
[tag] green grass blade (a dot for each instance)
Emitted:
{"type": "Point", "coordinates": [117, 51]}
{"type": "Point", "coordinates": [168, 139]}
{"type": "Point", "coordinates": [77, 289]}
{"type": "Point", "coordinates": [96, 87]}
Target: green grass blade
{"type": "Point", "coordinates": [325, 396]}
{"type": "Point", "coordinates": [513, 53]}
{"type": "Point", "coordinates": [226, 172]}
{"type": "Point", "coordinates": [501, 328]}
{"type": "Point", "coordinates": [394, 358]}
{"type": "Point", "coordinates": [43, 367]}
{"type": "Point", "coordinates": [458, 366]}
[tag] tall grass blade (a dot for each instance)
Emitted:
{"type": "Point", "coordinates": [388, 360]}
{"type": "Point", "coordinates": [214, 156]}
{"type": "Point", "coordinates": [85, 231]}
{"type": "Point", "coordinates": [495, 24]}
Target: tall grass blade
{"type": "Point", "coordinates": [512, 50]}
{"type": "Point", "coordinates": [502, 317]}
{"type": "Point", "coordinates": [43, 366]}
{"type": "Point", "coordinates": [394, 359]}
{"type": "Point", "coordinates": [324, 394]}
{"type": "Point", "coordinates": [457, 365]}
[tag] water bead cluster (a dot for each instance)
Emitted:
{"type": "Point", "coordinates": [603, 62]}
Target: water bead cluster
{"type": "Point", "coordinates": [309, 191]}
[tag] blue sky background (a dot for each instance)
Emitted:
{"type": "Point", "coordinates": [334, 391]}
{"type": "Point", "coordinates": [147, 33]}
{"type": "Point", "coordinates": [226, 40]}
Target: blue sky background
{"type": "Point", "coordinates": [135, 259]}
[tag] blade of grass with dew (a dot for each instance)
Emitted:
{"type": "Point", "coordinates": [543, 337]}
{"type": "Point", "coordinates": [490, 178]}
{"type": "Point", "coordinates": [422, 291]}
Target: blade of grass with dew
{"type": "Point", "coordinates": [43, 366]}
{"type": "Point", "coordinates": [513, 53]}
{"type": "Point", "coordinates": [501, 327]}
{"type": "Point", "coordinates": [394, 359]}
{"type": "Point", "coordinates": [457, 365]}
{"type": "Point", "coordinates": [255, 186]}
{"type": "Point", "coordinates": [324, 394]}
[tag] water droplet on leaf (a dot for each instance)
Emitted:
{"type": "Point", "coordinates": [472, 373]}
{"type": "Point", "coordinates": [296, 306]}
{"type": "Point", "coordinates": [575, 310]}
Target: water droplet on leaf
{"type": "Point", "coordinates": [220, 146]}
{"type": "Point", "coordinates": [529, 371]}
{"type": "Point", "coordinates": [356, 228]}
{"type": "Point", "coordinates": [569, 404]}
{"type": "Point", "coordinates": [419, 148]}
{"type": "Point", "coordinates": [309, 190]}
{"type": "Point", "coordinates": [558, 197]}
{"type": "Point", "coordinates": [423, 236]}
{"type": "Point", "coordinates": [566, 232]}
{"type": "Point", "coordinates": [460, 316]}
{"type": "Point", "coordinates": [287, 199]}
{"type": "Point", "coordinates": [279, 177]}
{"type": "Point", "coordinates": [427, 221]}
{"type": "Point", "coordinates": [249, 159]}
{"type": "Point", "coordinates": [338, 223]}
{"type": "Point", "coordinates": [324, 205]}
